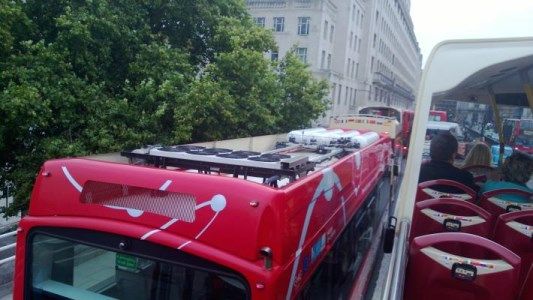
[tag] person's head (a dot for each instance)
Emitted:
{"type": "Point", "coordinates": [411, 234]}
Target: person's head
{"type": "Point", "coordinates": [479, 155]}
{"type": "Point", "coordinates": [443, 147]}
{"type": "Point", "coordinates": [517, 167]}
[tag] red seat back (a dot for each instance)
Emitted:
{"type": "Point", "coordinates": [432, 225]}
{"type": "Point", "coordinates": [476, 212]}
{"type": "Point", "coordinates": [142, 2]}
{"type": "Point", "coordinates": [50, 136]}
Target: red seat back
{"type": "Point", "coordinates": [527, 286]}
{"type": "Point", "coordinates": [447, 214]}
{"type": "Point", "coordinates": [426, 190]}
{"type": "Point", "coordinates": [491, 202]}
{"type": "Point", "coordinates": [514, 230]}
{"type": "Point", "coordinates": [480, 179]}
{"type": "Point", "coordinates": [435, 273]}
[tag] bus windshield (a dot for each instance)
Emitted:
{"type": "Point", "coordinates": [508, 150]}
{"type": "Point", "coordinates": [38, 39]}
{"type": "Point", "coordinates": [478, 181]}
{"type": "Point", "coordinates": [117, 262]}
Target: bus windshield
{"type": "Point", "coordinates": [433, 117]}
{"type": "Point", "coordinates": [381, 111]}
{"type": "Point", "coordinates": [66, 269]}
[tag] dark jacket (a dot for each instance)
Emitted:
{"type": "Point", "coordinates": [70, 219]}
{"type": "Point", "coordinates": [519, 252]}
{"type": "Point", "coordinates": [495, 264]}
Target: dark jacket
{"type": "Point", "coordinates": [444, 170]}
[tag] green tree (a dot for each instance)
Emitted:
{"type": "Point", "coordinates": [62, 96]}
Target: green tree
{"type": "Point", "coordinates": [84, 77]}
{"type": "Point", "coordinates": [237, 94]}
{"type": "Point", "coordinates": [303, 98]}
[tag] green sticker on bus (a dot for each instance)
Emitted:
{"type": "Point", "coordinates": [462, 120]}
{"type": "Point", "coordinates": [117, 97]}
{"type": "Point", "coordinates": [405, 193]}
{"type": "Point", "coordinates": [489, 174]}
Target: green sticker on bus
{"type": "Point", "coordinates": [127, 262]}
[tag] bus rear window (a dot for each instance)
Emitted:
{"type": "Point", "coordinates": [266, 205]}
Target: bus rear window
{"type": "Point", "coordinates": [435, 118]}
{"type": "Point", "coordinates": [65, 269]}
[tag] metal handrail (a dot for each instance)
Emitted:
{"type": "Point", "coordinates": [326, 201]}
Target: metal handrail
{"type": "Point", "coordinates": [396, 275]}
{"type": "Point", "coordinates": [368, 116]}
{"type": "Point", "coordinates": [8, 246]}
{"type": "Point", "coordinates": [8, 234]}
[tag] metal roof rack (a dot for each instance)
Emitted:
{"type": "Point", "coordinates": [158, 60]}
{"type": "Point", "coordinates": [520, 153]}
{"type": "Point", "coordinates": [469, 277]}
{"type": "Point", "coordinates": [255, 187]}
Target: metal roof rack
{"type": "Point", "coordinates": [266, 165]}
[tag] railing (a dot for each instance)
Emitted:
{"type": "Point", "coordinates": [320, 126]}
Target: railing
{"type": "Point", "coordinates": [5, 236]}
{"type": "Point", "coordinates": [302, 3]}
{"type": "Point", "coordinates": [396, 275]}
{"type": "Point", "coordinates": [383, 79]}
{"type": "Point", "coordinates": [266, 3]}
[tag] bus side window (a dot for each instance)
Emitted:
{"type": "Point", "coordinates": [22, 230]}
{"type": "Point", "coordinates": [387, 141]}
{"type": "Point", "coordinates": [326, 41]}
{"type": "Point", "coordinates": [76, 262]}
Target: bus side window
{"type": "Point", "coordinates": [344, 260]}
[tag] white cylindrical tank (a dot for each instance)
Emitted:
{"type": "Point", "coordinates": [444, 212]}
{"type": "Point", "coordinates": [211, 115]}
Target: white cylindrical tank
{"type": "Point", "coordinates": [297, 136]}
{"type": "Point", "coordinates": [349, 135]}
{"type": "Point", "coordinates": [324, 138]}
{"type": "Point", "coordinates": [366, 139]}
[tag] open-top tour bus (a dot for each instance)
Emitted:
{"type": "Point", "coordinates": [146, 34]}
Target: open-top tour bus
{"type": "Point", "coordinates": [394, 122]}
{"type": "Point", "coordinates": [294, 216]}
{"type": "Point", "coordinates": [478, 246]}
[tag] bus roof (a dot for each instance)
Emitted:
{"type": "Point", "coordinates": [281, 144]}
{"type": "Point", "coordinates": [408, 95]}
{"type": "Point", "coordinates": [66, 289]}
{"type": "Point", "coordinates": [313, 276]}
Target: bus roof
{"type": "Point", "coordinates": [502, 66]}
{"type": "Point", "coordinates": [147, 201]}
{"type": "Point", "coordinates": [440, 125]}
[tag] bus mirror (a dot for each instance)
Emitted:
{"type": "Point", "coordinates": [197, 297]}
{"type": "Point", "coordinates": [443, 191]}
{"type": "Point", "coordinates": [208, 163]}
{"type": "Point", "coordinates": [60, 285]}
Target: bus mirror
{"type": "Point", "coordinates": [388, 235]}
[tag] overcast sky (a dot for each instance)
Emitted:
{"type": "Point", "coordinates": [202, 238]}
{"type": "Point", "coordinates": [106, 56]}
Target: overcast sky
{"type": "Point", "coordinates": [437, 20]}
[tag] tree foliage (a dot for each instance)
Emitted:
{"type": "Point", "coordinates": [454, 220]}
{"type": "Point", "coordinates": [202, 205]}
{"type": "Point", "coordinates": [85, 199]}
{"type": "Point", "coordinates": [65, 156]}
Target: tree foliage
{"type": "Point", "coordinates": [84, 77]}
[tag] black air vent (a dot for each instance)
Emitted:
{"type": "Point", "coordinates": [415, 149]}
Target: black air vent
{"type": "Point", "coordinates": [181, 148]}
{"type": "Point", "coordinates": [239, 154]}
{"type": "Point", "coordinates": [210, 151]}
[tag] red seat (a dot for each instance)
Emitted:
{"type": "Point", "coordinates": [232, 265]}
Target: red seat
{"type": "Point", "coordinates": [514, 230]}
{"type": "Point", "coordinates": [435, 273]}
{"type": "Point", "coordinates": [447, 214]}
{"type": "Point", "coordinates": [480, 179]}
{"type": "Point", "coordinates": [496, 206]}
{"type": "Point", "coordinates": [426, 190]}
{"type": "Point", "coordinates": [527, 286]}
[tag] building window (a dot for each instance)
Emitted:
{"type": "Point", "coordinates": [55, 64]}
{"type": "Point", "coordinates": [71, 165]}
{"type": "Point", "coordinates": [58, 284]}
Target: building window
{"type": "Point", "coordinates": [260, 21]}
{"type": "Point", "coordinates": [353, 69]}
{"type": "Point", "coordinates": [333, 90]}
{"type": "Point", "coordinates": [303, 25]}
{"type": "Point", "coordinates": [339, 95]}
{"type": "Point", "coordinates": [354, 96]}
{"type": "Point", "coordinates": [279, 24]}
{"type": "Point", "coordinates": [274, 55]}
{"type": "Point", "coordinates": [331, 32]}
{"type": "Point", "coordinates": [351, 39]}
{"type": "Point", "coordinates": [346, 95]}
{"type": "Point", "coordinates": [348, 67]}
{"type": "Point", "coordinates": [355, 43]}
{"type": "Point", "coordinates": [329, 61]}
{"type": "Point", "coordinates": [325, 30]}
{"type": "Point", "coordinates": [359, 46]}
{"type": "Point", "coordinates": [302, 54]}
{"type": "Point", "coordinates": [322, 59]}
{"type": "Point", "coordinates": [375, 40]}
{"type": "Point", "coordinates": [357, 70]}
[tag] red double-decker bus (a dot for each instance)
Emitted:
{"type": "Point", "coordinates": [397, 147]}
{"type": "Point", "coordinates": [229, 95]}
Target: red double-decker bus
{"type": "Point", "coordinates": [405, 119]}
{"type": "Point", "coordinates": [438, 116]}
{"type": "Point", "coordinates": [518, 133]}
{"type": "Point", "coordinates": [407, 125]}
{"type": "Point", "coordinates": [454, 242]}
{"type": "Point", "coordinates": [263, 220]}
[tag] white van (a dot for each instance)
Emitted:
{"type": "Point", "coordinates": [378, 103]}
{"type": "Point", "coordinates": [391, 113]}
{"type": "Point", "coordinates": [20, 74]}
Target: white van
{"type": "Point", "coordinates": [436, 127]}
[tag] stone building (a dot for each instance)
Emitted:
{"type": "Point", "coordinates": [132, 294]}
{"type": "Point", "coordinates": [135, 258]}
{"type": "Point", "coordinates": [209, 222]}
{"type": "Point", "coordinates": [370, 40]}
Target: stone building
{"type": "Point", "coordinates": [366, 49]}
